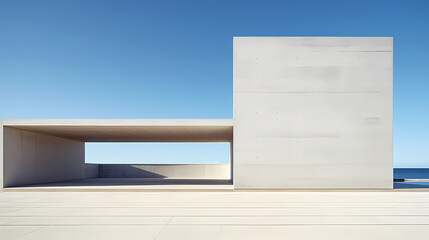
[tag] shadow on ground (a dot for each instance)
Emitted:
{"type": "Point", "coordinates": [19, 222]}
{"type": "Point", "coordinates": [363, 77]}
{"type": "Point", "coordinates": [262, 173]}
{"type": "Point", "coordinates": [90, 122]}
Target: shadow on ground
{"type": "Point", "coordinates": [132, 181]}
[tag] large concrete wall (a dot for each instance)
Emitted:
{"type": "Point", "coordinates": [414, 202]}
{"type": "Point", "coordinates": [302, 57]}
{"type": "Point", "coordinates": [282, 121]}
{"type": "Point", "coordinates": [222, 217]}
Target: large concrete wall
{"type": "Point", "coordinates": [31, 158]}
{"type": "Point", "coordinates": [313, 112]}
{"type": "Point", "coordinates": [178, 171]}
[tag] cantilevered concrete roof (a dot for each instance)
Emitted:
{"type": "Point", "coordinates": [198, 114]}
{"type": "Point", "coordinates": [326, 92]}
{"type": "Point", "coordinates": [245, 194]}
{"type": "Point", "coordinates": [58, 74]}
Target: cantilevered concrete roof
{"type": "Point", "coordinates": [130, 130]}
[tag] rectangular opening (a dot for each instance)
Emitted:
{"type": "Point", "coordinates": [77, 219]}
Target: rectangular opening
{"type": "Point", "coordinates": [158, 162]}
{"type": "Point", "coordinates": [44, 155]}
{"type": "Point", "coordinates": [157, 153]}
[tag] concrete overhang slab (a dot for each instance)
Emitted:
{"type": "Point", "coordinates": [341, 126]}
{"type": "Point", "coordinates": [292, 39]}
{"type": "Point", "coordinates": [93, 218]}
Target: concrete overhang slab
{"type": "Point", "coordinates": [130, 130]}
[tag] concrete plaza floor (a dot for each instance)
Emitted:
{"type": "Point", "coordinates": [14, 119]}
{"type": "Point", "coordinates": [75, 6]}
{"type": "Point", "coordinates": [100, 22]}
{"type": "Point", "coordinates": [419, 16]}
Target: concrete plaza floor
{"type": "Point", "coordinates": [155, 184]}
{"type": "Point", "coordinates": [395, 214]}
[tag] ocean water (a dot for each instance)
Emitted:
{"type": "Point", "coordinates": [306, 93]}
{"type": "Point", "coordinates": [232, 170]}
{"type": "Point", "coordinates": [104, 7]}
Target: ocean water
{"type": "Point", "coordinates": [410, 173]}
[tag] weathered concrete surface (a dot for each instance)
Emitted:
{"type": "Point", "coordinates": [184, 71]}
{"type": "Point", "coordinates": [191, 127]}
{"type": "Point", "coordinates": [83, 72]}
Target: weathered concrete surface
{"type": "Point", "coordinates": [313, 112]}
{"type": "Point", "coordinates": [178, 171]}
{"type": "Point", "coordinates": [31, 158]}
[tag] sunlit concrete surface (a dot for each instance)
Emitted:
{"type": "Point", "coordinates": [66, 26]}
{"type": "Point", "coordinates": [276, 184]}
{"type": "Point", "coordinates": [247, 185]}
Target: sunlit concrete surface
{"type": "Point", "coordinates": [389, 214]}
{"type": "Point", "coordinates": [313, 112]}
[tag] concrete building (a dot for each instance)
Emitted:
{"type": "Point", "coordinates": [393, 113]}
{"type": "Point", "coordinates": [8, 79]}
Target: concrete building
{"type": "Point", "coordinates": [309, 112]}
{"type": "Point", "coordinates": [313, 112]}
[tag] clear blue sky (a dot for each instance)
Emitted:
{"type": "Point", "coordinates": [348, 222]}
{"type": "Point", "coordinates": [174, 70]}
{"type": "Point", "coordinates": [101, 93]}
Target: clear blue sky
{"type": "Point", "coordinates": [173, 59]}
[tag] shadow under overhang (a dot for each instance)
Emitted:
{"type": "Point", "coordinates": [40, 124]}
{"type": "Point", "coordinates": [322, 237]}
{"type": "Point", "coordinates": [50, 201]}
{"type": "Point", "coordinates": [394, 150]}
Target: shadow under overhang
{"type": "Point", "coordinates": [131, 130]}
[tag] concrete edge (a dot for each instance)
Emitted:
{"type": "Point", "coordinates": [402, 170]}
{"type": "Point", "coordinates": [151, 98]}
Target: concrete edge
{"type": "Point", "coordinates": [1, 156]}
{"type": "Point", "coordinates": [118, 122]}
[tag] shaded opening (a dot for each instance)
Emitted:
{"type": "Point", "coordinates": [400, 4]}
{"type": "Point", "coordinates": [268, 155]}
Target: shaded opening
{"type": "Point", "coordinates": [158, 163]}
{"type": "Point", "coordinates": [118, 153]}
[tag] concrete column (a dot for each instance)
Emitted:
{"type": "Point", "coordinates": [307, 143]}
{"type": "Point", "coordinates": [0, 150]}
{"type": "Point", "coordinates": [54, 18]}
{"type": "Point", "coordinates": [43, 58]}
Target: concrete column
{"type": "Point", "coordinates": [231, 160]}
{"type": "Point", "coordinates": [1, 155]}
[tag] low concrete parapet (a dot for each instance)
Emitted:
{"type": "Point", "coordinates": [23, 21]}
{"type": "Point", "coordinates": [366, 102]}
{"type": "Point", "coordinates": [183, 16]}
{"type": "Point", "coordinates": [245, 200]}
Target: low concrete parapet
{"type": "Point", "coordinates": [91, 170]}
{"type": "Point", "coordinates": [182, 171]}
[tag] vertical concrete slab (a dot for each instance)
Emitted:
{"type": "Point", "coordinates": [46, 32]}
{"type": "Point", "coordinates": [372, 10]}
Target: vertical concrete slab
{"type": "Point", "coordinates": [1, 155]}
{"type": "Point", "coordinates": [313, 112]}
{"type": "Point", "coordinates": [231, 161]}
{"type": "Point", "coordinates": [31, 158]}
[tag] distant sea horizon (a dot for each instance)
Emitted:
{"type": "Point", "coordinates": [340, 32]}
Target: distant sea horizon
{"type": "Point", "coordinates": [410, 173]}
